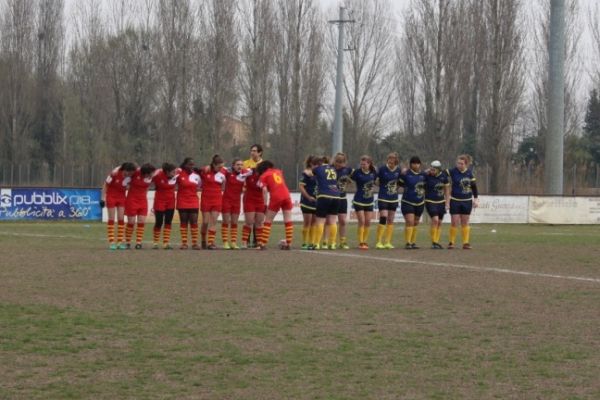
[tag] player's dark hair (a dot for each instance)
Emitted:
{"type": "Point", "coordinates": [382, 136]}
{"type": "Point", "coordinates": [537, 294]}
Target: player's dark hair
{"type": "Point", "coordinates": [325, 160]}
{"type": "Point", "coordinates": [310, 160]}
{"type": "Point", "coordinates": [168, 167]}
{"type": "Point", "coordinates": [370, 161]}
{"type": "Point", "coordinates": [186, 161]}
{"type": "Point", "coordinates": [415, 160]}
{"type": "Point", "coordinates": [216, 160]}
{"type": "Point", "coordinates": [128, 167]}
{"type": "Point", "coordinates": [264, 166]}
{"type": "Point", "coordinates": [147, 169]}
{"type": "Point", "coordinates": [258, 148]}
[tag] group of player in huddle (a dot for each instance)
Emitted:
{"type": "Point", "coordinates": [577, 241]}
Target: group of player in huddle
{"type": "Point", "coordinates": [324, 203]}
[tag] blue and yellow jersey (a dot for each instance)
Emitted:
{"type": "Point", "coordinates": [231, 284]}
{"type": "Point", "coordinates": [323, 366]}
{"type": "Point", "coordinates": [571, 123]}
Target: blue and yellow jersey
{"type": "Point", "coordinates": [365, 186]}
{"type": "Point", "coordinates": [461, 182]}
{"type": "Point", "coordinates": [388, 184]}
{"type": "Point", "coordinates": [414, 187]}
{"type": "Point", "coordinates": [343, 178]}
{"type": "Point", "coordinates": [326, 179]}
{"type": "Point", "coordinates": [310, 185]}
{"type": "Point", "coordinates": [435, 186]}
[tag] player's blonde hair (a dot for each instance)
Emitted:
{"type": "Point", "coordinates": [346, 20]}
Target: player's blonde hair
{"type": "Point", "coordinates": [340, 158]}
{"type": "Point", "coordinates": [395, 156]}
{"type": "Point", "coordinates": [468, 160]}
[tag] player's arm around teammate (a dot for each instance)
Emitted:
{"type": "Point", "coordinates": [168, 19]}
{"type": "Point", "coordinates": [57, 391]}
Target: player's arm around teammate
{"type": "Point", "coordinates": [136, 204]}
{"type": "Point", "coordinates": [413, 201]}
{"type": "Point", "coordinates": [463, 198]}
{"type": "Point", "coordinates": [188, 184]}
{"type": "Point", "coordinates": [308, 200]}
{"type": "Point", "coordinates": [363, 202]}
{"type": "Point", "coordinates": [211, 201]}
{"type": "Point", "coordinates": [113, 196]}
{"type": "Point", "coordinates": [165, 180]}
{"type": "Point", "coordinates": [387, 200]}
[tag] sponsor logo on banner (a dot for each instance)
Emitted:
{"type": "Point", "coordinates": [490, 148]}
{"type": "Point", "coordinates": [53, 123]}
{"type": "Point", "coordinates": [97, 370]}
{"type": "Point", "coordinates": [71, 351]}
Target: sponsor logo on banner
{"type": "Point", "coordinates": [5, 197]}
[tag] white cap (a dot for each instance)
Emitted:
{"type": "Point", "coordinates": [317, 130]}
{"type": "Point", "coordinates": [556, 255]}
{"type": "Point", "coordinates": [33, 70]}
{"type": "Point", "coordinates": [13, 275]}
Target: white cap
{"type": "Point", "coordinates": [436, 164]}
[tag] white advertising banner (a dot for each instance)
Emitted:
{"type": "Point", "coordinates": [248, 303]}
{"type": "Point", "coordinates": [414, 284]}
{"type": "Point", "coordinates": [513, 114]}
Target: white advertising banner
{"type": "Point", "coordinates": [564, 210]}
{"type": "Point", "coordinates": [500, 210]}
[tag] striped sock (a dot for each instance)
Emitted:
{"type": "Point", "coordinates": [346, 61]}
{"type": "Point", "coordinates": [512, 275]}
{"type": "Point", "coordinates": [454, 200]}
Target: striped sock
{"type": "Point", "coordinates": [212, 234]}
{"type": "Point", "coordinates": [128, 232]}
{"type": "Point", "coordinates": [289, 232]}
{"type": "Point", "coordinates": [266, 233]}
{"type": "Point", "coordinates": [156, 235]}
{"type": "Point", "coordinates": [194, 229]}
{"type": "Point", "coordinates": [233, 233]}
{"type": "Point", "coordinates": [120, 231]}
{"type": "Point", "coordinates": [110, 231]}
{"type": "Point", "coordinates": [183, 229]}
{"type": "Point", "coordinates": [246, 230]}
{"type": "Point", "coordinates": [224, 232]}
{"type": "Point", "coordinates": [167, 234]}
{"type": "Point", "coordinates": [258, 234]}
{"type": "Point", "coordinates": [332, 234]}
{"type": "Point", "coordinates": [139, 233]}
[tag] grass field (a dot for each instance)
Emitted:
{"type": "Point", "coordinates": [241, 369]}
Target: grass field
{"type": "Point", "coordinates": [518, 317]}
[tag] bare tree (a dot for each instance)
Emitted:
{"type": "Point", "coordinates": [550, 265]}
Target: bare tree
{"type": "Point", "coordinates": [594, 27]}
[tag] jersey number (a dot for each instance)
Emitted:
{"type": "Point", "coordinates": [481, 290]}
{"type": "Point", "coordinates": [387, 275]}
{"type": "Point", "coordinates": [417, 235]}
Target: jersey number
{"type": "Point", "coordinates": [331, 175]}
{"type": "Point", "coordinates": [277, 179]}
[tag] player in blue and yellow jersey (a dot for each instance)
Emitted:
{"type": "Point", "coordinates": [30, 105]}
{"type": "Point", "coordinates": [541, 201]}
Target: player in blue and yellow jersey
{"type": "Point", "coordinates": [308, 200]}
{"type": "Point", "coordinates": [437, 191]}
{"type": "Point", "coordinates": [387, 201]}
{"type": "Point", "coordinates": [463, 198]}
{"type": "Point", "coordinates": [343, 176]}
{"type": "Point", "coordinates": [364, 178]}
{"type": "Point", "coordinates": [413, 200]}
{"type": "Point", "coordinates": [328, 198]}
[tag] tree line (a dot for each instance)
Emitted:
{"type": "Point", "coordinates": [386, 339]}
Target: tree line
{"type": "Point", "coordinates": [152, 80]}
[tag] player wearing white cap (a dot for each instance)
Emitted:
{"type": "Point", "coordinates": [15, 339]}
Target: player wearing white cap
{"type": "Point", "coordinates": [437, 192]}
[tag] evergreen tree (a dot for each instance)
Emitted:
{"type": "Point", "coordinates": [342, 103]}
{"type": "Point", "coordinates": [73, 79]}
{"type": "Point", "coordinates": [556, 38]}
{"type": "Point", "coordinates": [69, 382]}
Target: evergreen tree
{"type": "Point", "coordinates": [592, 126]}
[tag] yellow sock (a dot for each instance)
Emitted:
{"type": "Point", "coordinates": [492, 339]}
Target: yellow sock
{"type": "Point", "coordinates": [366, 230]}
{"type": "Point", "coordinates": [332, 234]}
{"type": "Point", "coordinates": [413, 236]}
{"type": "Point", "coordinates": [408, 233]}
{"type": "Point", "coordinates": [318, 234]}
{"type": "Point", "coordinates": [466, 234]}
{"type": "Point", "coordinates": [437, 234]}
{"type": "Point", "coordinates": [389, 232]}
{"type": "Point", "coordinates": [360, 234]}
{"type": "Point", "coordinates": [306, 235]}
{"type": "Point", "coordinates": [433, 233]}
{"type": "Point", "coordinates": [380, 232]}
{"type": "Point", "coordinates": [452, 234]}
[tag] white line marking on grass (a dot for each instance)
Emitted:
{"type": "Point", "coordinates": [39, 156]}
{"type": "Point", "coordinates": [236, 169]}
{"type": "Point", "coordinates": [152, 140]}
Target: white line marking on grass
{"type": "Point", "coordinates": [458, 266]}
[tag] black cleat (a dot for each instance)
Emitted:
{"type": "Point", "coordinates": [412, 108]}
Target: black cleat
{"type": "Point", "coordinates": [414, 246]}
{"type": "Point", "coordinates": [138, 246]}
{"type": "Point", "coordinates": [408, 246]}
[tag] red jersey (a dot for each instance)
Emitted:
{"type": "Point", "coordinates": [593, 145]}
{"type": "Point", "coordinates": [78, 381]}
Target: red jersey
{"type": "Point", "coordinates": [187, 190]}
{"type": "Point", "coordinates": [273, 180]}
{"type": "Point", "coordinates": [165, 186]}
{"type": "Point", "coordinates": [212, 182]}
{"type": "Point", "coordinates": [234, 184]}
{"type": "Point", "coordinates": [138, 187]}
{"type": "Point", "coordinates": [253, 191]}
{"type": "Point", "coordinates": [116, 184]}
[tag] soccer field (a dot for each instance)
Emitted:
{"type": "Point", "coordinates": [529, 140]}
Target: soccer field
{"type": "Point", "coordinates": [518, 317]}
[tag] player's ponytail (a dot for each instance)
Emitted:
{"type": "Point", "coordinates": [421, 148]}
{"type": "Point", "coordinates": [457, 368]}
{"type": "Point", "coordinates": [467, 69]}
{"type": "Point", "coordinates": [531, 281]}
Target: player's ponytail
{"type": "Point", "coordinates": [308, 163]}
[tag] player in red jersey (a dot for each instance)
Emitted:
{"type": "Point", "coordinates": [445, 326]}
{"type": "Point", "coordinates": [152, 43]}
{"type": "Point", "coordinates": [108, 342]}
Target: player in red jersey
{"type": "Point", "coordinates": [114, 194]}
{"type": "Point", "coordinates": [164, 181]}
{"type": "Point", "coordinates": [273, 184]}
{"type": "Point", "coordinates": [211, 202]}
{"type": "Point", "coordinates": [254, 208]}
{"type": "Point", "coordinates": [188, 183]}
{"type": "Point", "coordinates": [234, 186]}
{"type": "Point", "coordinates": [136, 204]}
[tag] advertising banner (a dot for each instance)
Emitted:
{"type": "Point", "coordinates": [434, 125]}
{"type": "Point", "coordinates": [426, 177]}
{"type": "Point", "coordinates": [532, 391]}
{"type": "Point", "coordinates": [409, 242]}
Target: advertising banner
{"type": "Point", "coordinates": [500, 210]}
{"type": "Point", "coordinates": [50, 204]}
{"type": "Point", "coordinates": [564, 210]}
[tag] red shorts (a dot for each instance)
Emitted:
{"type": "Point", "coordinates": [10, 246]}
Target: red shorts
{"type": "Point", "coordinates": [211, 204]}
{"type": "Point", "coordinates": [255, 206]}
{"type": "Point", "coordinates": [136, 207]}
{"type": "Point", "coordinates": [231, 206]}
{"type": "Point", "coordinates": [284, 204]}
{"type": "Point", "coordinates": [112, 202]}
{"type": "Point", "coordinates": [164, 204]}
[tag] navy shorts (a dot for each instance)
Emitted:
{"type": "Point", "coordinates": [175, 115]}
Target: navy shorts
{"type": "Point", "coordinates": [343, 206]}
{"type": "Point", "coordinates": [387, 205]}
{"type": "Point", "coordinates": [412, 209]}
{"type": "Point", "coordinates": [436, 209]}
{"type": "Point", "coordinates": [308, 207]}
{"type": "Point", "coordinates": [360, 207]}
{"type": "Point", "coordinates": [327, 206]}
{"type": "Point", "coordinates": [461, 207]}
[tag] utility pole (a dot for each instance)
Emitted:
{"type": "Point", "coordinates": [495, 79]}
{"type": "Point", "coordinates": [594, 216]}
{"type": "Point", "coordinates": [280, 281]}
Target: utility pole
{"type": "Point", "coordinates": [553, 163]}
{"type": "Point", "coordinates": [338, 124]}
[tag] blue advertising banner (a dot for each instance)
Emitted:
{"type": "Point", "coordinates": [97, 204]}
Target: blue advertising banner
{"type": "Point", "coordinates": [50, 204]}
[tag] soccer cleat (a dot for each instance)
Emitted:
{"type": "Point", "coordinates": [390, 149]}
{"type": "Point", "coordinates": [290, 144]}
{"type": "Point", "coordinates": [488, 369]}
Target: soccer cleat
{"type": "Point", "coordinates": [363, 246]}
{"type": "Point", "coordinates": [244, 246]}
{"type": "Point", "coordinates": [211, 247]}
{"type": "Point", "coordinates": [408, 246]}
{"type": "Point", "coordinates": [112, 247]}
{"type": "Point", "coordinates": [260, 247]}
{"type": "Point", "coordinates": [436, 246]}
{"type": "Point", "coordinates": [127, 246]}
{"type": "Point", "coordinates": [304, 246]}
{"type": "Point", "coordinates": [380, 246]}
{"type": "Point", "coordinates": [414, 246]}
{"type": "Point", "coordinates": [467, 246]}
{"type": "Point", "coordinates": [226, 246]}
{"type": "Point", "coordinates": [196, 247]}
{"type": "Point", "coordinates": [138, 246]}
{"type": "Point", "coordinates": [344, 246]}
{"type": "Point", "coordinates": [389, 246]}
{"type": "Point", "coordinates": [332, 247]}
{"type": "Point", "coordinates": [123, 246]}
{"type": "Point", "coordinates": [167, 247]}
{"type": "Point", "coordinates": [450, 246]}
{"type": "Point", "coordinates": [234, 246]}
{"type": "Point", "coordinates": [155, 246]}
{"type": "Point", "coordinates": [324, 245]}
{"type": "Point", "coordinates": [183, 247]}
{"type": "Point", "coordinates": [285, 247]}
{"type": "Point", "coordinates": [317, 247]}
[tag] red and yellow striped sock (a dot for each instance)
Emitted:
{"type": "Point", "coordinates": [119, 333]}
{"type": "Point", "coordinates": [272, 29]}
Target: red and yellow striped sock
{"type": "Point", "coordinates": [110, 231]}
{"type": "Point", "coordinates": [156, 235]}
{"type": "Point", "coordinates": [212, 234]}
{"type": "Point", "coordinates": [183, 230]}
{"type": "Point", "coordinates": [233, 233]}
{"type": "Point", "coordinates": [120, 231]}
{"type": "Point", "coordinates": [266, 234]}
{"type": "Point", "coordinates": [246, 230]}
{"type": "Point", "coordinates": [128, 232]}
{"type": "Point", "coordinates": [289, 232]}
{"type": "Point", "coordinates": [167, 234]}
{"type": "Point", "coordinates": [139, 233]}
{"type": "Point", "coordinates": [259, 234]}
{"type": "Point", "coordinates": [224, 232]}
{"type": "Point", "coordinates": [194, 230]}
